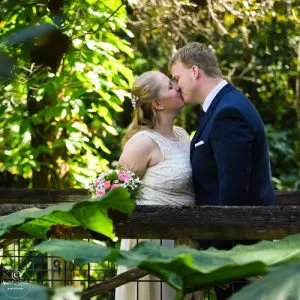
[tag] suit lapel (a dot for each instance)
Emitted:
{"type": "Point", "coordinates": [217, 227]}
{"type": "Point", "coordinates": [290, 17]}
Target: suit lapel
{"type": "Point", "coordinates": [228, 87]}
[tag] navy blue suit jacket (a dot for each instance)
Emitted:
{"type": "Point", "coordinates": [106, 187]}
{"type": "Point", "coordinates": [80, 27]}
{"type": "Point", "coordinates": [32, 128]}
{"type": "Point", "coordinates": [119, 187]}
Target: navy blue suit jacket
{"type": "Point", "coordinates": [231, 164]}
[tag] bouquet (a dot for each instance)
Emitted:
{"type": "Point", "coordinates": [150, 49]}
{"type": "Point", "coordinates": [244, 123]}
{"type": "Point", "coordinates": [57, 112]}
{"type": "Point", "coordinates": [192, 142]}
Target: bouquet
{"type": "Point", "coordinates": [112, 179]}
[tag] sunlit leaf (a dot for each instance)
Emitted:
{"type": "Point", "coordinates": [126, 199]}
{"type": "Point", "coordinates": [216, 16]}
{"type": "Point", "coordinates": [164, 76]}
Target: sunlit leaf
{"type": "Point", "coordinates": [102, 146]}
{"type": "Point", "coordinates": [110, 129]}
{"type": "Point", "coordinates": [89, 213]}
{"type": "Point", "coordinates": [70, 147]}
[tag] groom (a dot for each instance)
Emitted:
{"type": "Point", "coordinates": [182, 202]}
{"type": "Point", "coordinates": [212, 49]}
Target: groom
{"type": "Point", "coordinates": [229, 152]}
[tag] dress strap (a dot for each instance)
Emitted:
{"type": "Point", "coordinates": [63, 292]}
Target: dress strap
{"type": "Point", "coordinates": [182, 134]}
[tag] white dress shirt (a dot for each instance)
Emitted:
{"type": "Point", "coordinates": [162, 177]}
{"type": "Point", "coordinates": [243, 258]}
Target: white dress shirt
{"type": "Point", "coordinates": [210, 97]}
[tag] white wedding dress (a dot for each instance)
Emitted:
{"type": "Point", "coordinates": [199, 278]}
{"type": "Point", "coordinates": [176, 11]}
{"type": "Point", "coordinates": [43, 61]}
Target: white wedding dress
{"type": "Point", "coordinates": [167, 183]}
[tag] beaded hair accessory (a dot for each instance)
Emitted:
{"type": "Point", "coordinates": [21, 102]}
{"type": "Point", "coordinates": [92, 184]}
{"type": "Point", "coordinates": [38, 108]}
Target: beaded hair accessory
{"type": "Point", "coordinates": [134, 101]}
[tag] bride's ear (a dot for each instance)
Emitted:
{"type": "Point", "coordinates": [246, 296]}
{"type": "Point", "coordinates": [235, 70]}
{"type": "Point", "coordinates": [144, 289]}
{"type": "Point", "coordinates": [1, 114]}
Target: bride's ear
{"type": "Point", "coordinates": [157, 105]}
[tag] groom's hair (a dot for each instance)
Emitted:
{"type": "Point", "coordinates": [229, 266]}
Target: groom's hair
{"type": "Point", "coordinates": [199, 55]}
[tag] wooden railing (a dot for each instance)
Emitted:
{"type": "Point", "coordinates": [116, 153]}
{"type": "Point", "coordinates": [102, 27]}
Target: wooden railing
{"type": "Point", "coordinates": [170, 222]}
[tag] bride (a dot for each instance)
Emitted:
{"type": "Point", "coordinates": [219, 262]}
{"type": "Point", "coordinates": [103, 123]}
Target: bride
{"type": "Point", "coordinates": [158, 153]}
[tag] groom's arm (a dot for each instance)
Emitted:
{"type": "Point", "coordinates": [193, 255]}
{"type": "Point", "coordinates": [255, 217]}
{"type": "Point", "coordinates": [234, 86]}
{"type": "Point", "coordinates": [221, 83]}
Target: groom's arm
{"type": "Point", "coordinates": [231, 141]}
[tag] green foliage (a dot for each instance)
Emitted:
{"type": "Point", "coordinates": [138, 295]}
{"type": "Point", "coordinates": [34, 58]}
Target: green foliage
{"type": "Point", "coordinates": [283, 156]}
{"type": "Point", "coordinates": [90, 214]}
{"type": "Point", "coordinates": [282, 283]}
{"type": "Point", "coordinates": [184, 268]}
{"type": "Point", "coordinates": [82, 252]}
{"type": "Point", "coordinates": [58, 114]}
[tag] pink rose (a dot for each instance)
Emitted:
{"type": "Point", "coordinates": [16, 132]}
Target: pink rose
{"type": "Point", "coordinates": [101, 192]}
{"type": "Point", "coordinates": [124, 177]}
{"type": "Point", "coordinates": [107, 185]}
{"type": "Point", "coordinates": [114, 186]}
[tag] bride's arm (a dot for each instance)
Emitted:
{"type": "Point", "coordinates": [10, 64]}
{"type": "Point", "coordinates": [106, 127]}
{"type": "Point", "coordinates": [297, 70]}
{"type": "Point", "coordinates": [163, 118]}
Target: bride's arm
{"type": "Point", "coordinates": [137, 154]}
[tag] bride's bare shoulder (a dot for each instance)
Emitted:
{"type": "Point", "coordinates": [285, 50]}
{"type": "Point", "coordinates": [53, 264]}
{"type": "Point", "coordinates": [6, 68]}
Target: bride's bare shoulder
{"type": "Point", "coordinates": [140, 141]}
{"type": "Point", "coordinates": [137, 154]}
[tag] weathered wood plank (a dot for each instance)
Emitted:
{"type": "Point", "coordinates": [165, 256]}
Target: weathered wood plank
{"type": "Point", "coordinates": [201, 222]}
{"type": "Point", "coordinates": [42, 196]}
{"type": "Point", "coordinates": [211, 222]}
{"type": "Point", "coordinates": [288, 198]}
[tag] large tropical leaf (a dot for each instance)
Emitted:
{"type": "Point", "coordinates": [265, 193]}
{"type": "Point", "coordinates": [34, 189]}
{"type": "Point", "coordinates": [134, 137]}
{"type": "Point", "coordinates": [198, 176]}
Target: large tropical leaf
{"type": "Point", "coordinates": [281, 284]}
{"type": "Point", "coordinates": [73, 250]}
{"type": "Point", "coordinates": [89, 213]}
{"type": "Point", "coordinates": [184, 268]}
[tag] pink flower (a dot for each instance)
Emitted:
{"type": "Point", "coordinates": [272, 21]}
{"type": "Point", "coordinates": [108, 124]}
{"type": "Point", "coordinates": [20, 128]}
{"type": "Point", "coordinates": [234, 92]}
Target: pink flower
{"type": "Point", "coordinates": [114, 186]}
{"type": "Point", "coordinates": [97, 181]}
{"type": "Point", "coordinates": [124, 176]}
{"type": "Point", "coordinates": [101, 192]}
{"type": "Point", "coordinates": [107, 185]}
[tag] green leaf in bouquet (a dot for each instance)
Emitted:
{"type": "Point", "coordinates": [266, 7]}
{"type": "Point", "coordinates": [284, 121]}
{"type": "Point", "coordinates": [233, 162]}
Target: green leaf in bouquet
{"type": "Point", "coordinates": [112, 176]}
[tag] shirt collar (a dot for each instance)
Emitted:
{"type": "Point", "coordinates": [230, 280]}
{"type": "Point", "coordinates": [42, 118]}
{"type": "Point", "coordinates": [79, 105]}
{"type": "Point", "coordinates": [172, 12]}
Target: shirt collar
{"type": "Point", "coordinates": [210, 97]}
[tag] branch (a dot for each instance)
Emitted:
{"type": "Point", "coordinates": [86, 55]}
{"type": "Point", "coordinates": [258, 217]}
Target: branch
{"type": "Point", "coordinates": [214, 17]}
{"type": "Point", "coordinates": [232, 71]}
{"type": "Point", "coordinates": [231, 10]}
{"type": "Point", "coordinates": [248, 68]}
{"type": "Point", "coordinates": [295, 17]}
{"type": "Point", "coordinates": [113, 283]}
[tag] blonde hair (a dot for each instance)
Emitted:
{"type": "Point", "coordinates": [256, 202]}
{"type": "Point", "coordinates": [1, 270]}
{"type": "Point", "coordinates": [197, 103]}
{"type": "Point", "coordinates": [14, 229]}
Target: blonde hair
{"type": "Point", "coordinates": [145, 89]}
{"type": "Point", "coordinates": [199, 55]}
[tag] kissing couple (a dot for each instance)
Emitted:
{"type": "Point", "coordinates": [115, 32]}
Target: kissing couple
{"type": "Point", "coordinates": [226, 163]}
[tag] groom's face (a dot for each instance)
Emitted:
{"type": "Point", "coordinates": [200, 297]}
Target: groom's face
{"type": "Point", "coordinates": [185, 80]}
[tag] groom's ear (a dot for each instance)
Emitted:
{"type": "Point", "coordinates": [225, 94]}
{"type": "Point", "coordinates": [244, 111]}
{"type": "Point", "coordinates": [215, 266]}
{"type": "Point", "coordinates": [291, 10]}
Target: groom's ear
{"type": "Point", "coordinates": [196, 72]}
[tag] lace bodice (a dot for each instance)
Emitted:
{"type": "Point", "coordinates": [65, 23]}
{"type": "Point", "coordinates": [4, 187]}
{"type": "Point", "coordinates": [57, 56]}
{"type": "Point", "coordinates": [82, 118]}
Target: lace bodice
{"type": "Point", "coordinates": [170, 181]}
